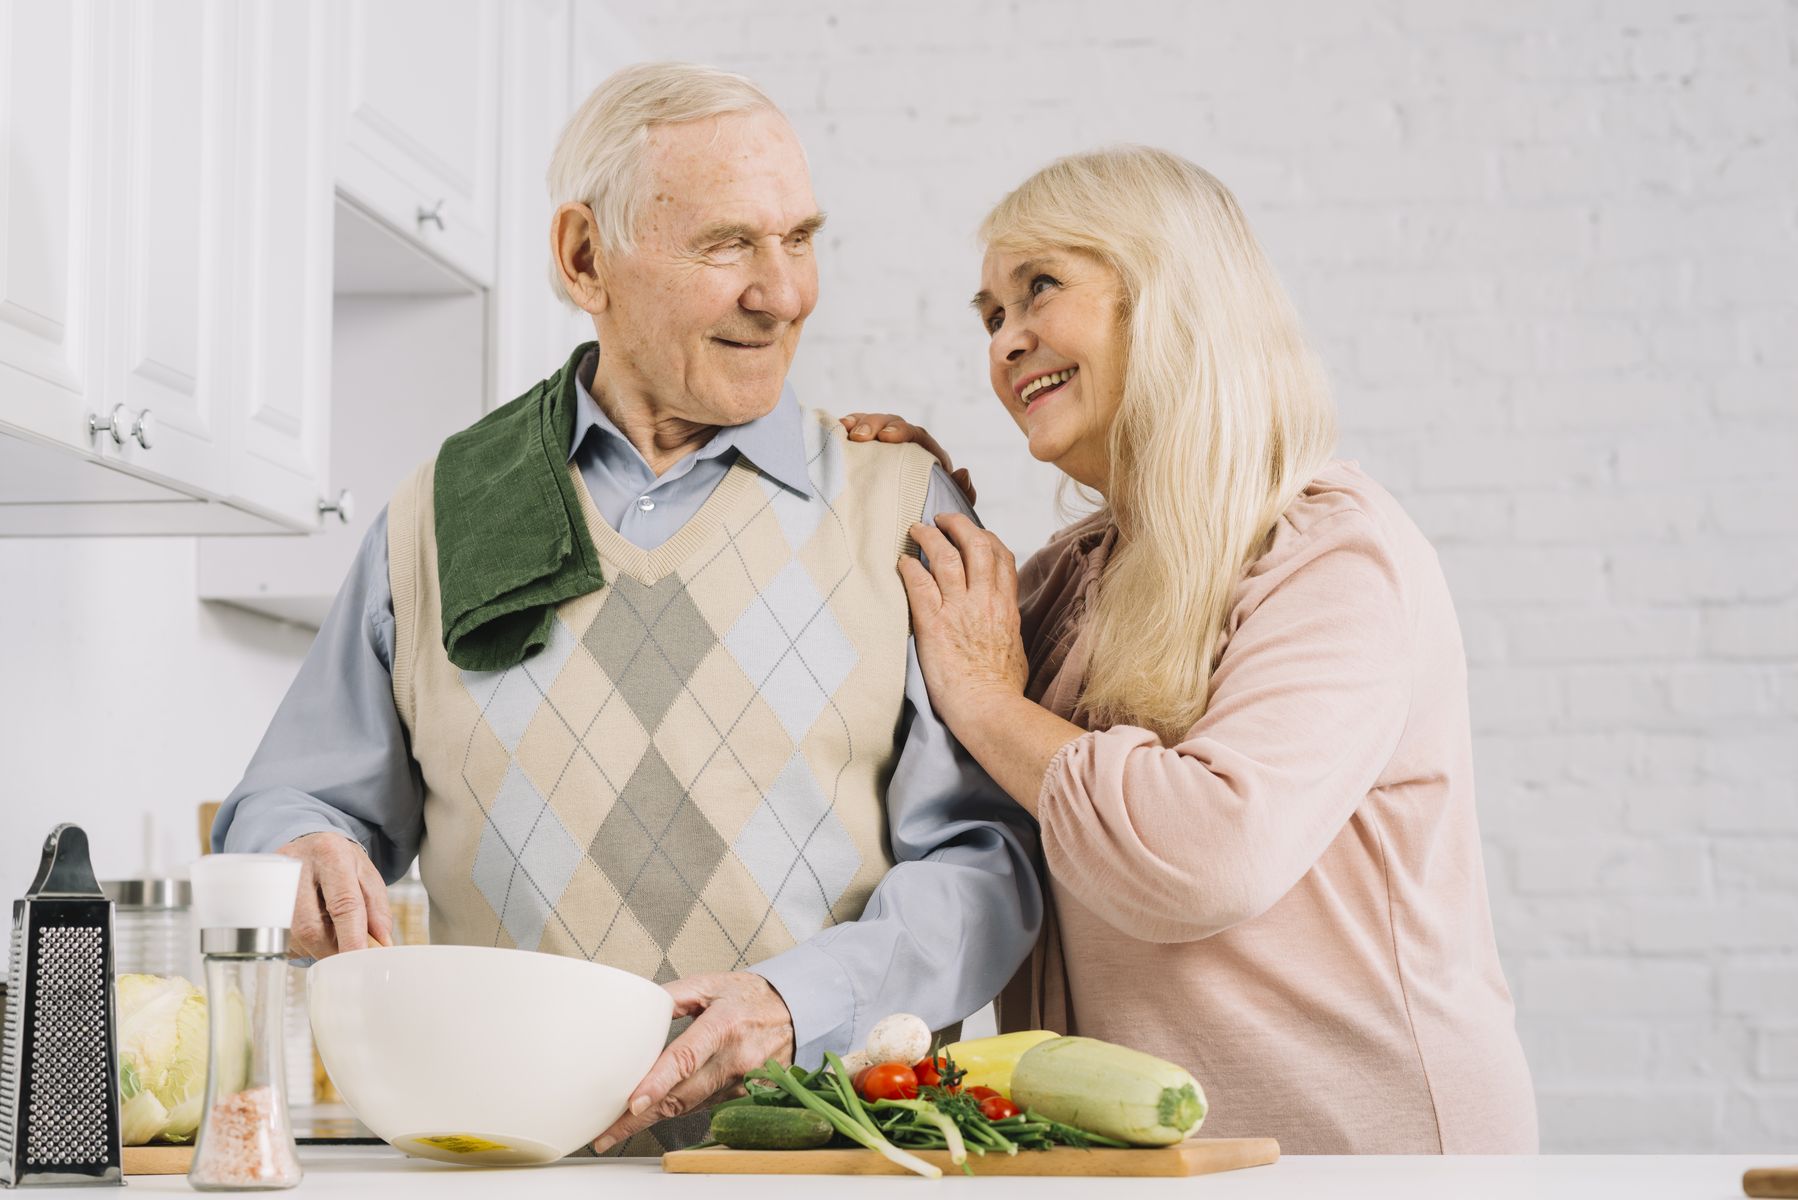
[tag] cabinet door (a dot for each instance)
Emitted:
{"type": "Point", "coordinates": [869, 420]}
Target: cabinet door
{"type": "Point", "coordinates": [420, 130]}
{"type": "Point", "coordinates": [52, 97]}
{"type": "Point", "coordinates": [282, 366]}
{"type": "Point", "coordinates": [171, 237]}
{"type": "Point", "coordinates": [533, 330]}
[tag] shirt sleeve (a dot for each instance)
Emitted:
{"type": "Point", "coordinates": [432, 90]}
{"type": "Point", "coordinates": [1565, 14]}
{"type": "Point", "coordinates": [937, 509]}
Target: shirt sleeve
{"type": "Point", "coordinates": [947, 927]}
{"type": "Point", "coordinates": [1175, 844]}
{"type": "Point", "coordinates": [336, 757]}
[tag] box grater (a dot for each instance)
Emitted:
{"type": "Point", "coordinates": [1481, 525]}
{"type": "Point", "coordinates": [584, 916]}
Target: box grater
{"type": "Point", "coordinates": [59, 1095]}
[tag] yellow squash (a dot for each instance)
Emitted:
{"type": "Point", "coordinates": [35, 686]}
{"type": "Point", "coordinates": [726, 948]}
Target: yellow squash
{"type": "Point", "coordinates": [989, 1061]}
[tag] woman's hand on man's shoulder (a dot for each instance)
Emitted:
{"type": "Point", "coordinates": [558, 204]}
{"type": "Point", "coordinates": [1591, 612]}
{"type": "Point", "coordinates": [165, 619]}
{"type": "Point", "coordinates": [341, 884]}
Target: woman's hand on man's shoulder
{"type": "Point", "coordinates": [892, 428]}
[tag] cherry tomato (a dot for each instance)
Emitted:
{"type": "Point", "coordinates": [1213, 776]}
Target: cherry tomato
{"type": "Point", "coordinates": [930, 1072]}
{"type": "Point", "coordinates": [890, 1081]}
{"type": "Point", "coordinates": [997, 1108]}
{"type": "Point", "coordinates": [982, 1092]}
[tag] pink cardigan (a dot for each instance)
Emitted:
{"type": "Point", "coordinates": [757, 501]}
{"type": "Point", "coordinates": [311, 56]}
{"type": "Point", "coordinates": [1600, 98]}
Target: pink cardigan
{"type": "Point", "coordinates": [1291, 902]}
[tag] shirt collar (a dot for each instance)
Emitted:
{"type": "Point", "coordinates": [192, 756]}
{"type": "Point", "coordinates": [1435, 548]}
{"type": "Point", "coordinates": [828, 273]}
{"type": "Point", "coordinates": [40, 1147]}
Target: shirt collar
{"type": "Point", "coordinates": [774, 443]}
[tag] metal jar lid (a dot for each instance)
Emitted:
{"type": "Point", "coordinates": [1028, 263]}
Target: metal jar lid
{"type": "Point", "coordinates": [170, 894]}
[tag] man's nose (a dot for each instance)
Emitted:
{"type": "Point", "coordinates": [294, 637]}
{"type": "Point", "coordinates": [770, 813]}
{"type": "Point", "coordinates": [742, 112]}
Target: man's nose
{"type": "Point", "coordinates": [775, 288]}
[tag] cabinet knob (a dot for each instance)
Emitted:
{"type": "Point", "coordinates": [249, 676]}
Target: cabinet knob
{"type": "Point", "coordinates": [117, 424]}
{"type": "Point", "coordinates": [344, 506]}
{"type": "Point", "coordinates": [433, 215]}
{"type": "Point", "coordinates": [143, 429]}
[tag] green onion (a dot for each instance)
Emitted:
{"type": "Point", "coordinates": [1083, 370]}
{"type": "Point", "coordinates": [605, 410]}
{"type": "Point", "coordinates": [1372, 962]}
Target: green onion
{"type": "Point", "coordinates": [865, 1134]}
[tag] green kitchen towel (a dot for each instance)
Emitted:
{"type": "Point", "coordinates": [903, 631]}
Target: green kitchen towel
{"type": "Point", "coordinates": [511, 540]}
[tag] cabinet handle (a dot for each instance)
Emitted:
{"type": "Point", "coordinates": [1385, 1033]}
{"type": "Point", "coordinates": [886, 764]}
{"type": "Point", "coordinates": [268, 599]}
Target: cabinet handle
{"type": "Point", "coordinates": [143, 429]}
{"type": "Point", "coordinates": [432, 214]}
{"type": "Point", "coordinates": [344, 506]}
{"type": "Point", "coordinates": [116, 424]}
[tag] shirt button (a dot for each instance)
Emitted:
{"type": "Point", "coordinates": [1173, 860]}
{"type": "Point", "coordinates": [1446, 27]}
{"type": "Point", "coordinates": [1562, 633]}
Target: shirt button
{"type": "Point", "coordinates": [645, 504]}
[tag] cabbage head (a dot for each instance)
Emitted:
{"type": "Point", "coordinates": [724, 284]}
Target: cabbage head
{"type": "Point", "coordinates": [162, 1057]}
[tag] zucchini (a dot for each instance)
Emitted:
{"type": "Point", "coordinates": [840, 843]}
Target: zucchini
{"type": "Point", "coordinates": [1110, 1090]}
{"type": "Point", "coordinates": [764, 1127]}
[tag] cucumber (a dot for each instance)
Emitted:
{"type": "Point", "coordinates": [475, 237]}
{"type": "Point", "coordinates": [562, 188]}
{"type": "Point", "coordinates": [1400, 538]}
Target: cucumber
{"type": "Point", "coordinates": [765, 1127]}
{"type": "Point", "coordinates": [1110, 1090]}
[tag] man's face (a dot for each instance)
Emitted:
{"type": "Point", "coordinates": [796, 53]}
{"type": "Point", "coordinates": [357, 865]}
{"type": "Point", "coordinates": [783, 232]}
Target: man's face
{"type": "Point", "coordinates": [702, 318]}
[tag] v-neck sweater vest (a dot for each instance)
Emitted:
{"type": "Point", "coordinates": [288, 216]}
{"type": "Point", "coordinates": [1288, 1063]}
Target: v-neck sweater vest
{"type": "Point", "coordinates": [690, 776]}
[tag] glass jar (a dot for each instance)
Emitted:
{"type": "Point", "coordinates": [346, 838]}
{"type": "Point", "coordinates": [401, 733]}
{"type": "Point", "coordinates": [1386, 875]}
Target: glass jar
{"type": "Point", "coordinates": [152, 927]}
{"type": "Point", "coordinates": [246, 1140]}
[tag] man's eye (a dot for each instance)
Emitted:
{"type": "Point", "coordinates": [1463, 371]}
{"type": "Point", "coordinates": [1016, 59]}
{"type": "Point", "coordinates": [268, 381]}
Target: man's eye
{"type": "Point", "coordinates": [1043, 282]}
{"type": "Point", "coordinates": [993, 320]}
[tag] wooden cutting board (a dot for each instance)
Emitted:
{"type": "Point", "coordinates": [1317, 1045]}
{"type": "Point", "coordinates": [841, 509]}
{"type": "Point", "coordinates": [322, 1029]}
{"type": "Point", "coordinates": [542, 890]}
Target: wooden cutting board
{"type": "Point", "coordinates": [1199, 1156]}
{"type": "Point", "coordinates": [158, 1160]}
{"type": "Point", "coordinates": [1771, 1181]}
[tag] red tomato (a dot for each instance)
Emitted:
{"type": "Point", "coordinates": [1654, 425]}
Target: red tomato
{"type": "Point", "coordinates": [890, 1081]}
{"type": "Point", "coordinates": [930, 1072]}
{"type": "Point", "coordinates": [860, 1075]}
{"type": "Point", "coordinates": [982, 1092]}
{"type": "Point", "coordinates": [997, 1108]}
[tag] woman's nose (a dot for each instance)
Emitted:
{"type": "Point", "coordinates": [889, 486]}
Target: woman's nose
{"type": "Point", "coordinates": [1013, 341]}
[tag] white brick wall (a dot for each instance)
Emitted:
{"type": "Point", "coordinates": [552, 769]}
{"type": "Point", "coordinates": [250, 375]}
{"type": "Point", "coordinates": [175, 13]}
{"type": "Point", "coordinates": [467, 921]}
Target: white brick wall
{"type": "Point", "coordinates": [1549, 250]}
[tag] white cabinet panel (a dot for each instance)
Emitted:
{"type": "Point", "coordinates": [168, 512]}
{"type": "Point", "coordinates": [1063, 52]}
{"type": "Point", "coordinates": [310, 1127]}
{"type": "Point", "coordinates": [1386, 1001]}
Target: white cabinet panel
{"type": "Point", "coordinates": [419, 142]}
{"type": "Point", "coordinates": [280, 440]}
{"type": "Point", "coordinates": [171, 236]}
{"type": "Point", "coordinates": [52, 91]}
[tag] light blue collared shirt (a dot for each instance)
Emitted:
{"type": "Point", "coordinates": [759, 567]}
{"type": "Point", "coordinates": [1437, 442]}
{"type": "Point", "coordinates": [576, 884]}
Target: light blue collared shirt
{"type": "Point", "coordinates": [941, 934]}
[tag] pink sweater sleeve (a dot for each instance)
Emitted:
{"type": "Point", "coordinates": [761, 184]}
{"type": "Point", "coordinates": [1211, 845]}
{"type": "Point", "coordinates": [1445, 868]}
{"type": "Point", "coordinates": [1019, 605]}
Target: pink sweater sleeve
{"type": "Point", "coordinates": [1308, 703]}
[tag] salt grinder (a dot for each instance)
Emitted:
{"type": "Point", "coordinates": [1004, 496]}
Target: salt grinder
{"type": "Point", "coordinates": [59, 1094]}
{"type": "Point", "coordinates": [243, 907]}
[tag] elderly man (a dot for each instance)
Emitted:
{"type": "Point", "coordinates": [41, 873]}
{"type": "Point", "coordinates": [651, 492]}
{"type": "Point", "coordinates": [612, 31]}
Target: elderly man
{"type": "Point", "coordinates": [628, 665]}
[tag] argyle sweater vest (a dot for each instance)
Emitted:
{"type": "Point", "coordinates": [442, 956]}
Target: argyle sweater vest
{"type": "Point", "coordinates": [690, 777]}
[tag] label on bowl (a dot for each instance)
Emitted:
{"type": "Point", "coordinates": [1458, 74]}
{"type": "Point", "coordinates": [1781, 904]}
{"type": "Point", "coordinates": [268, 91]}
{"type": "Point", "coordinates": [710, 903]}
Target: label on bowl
{"type": "Point", "coordinates": [462, 1143]}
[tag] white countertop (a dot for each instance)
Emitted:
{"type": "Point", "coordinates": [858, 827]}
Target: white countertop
{"type": "Point", "coordinates": [376, 1171]}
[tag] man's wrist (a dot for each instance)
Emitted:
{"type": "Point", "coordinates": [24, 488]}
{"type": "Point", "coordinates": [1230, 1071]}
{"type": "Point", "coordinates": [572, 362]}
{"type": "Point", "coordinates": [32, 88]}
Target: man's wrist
{"type": "Point", "coordinates": [819, 1000]}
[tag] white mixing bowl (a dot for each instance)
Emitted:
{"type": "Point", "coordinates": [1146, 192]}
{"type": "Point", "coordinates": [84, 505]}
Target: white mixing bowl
{"type": "Point", "coordinates": [484, 1056]}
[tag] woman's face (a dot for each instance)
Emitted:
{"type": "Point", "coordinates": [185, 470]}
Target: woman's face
{"type": "Point", "coordinates": [1056, 354]}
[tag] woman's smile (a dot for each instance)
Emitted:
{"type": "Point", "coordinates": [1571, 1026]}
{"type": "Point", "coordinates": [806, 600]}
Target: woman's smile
{"type": "Point", "coordinates": [1037, 389]}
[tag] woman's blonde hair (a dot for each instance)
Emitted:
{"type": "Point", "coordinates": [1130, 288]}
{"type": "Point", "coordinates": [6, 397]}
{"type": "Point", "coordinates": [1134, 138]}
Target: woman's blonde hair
{"type": "Point", "coordinates": [599, 159]}
{"type": "Point", "coordinates": [1225, 415]}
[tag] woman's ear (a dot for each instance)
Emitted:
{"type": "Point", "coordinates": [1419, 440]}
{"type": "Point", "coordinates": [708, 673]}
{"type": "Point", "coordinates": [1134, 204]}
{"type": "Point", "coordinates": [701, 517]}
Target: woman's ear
{"type": "Point", "coordinates": [574, 243]}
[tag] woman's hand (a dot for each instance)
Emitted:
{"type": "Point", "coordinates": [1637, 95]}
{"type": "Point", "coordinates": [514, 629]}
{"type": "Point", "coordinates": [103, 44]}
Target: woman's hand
{"type": "Point", "coordinates": [965, 618]}
{"type": "Point", "coordinates": [886, 427]}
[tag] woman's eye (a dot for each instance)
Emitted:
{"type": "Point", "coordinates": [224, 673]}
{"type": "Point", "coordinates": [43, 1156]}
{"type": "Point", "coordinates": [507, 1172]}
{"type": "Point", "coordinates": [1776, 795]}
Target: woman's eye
{"type": "Point", "coordinates": [993, 320]}
{"type": "Point", "coordinates": [1042, 283]}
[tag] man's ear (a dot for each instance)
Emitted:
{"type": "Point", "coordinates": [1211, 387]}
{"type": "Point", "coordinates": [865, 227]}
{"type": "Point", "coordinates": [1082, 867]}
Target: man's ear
{"type": "Point", "coordinates": [574, 247]}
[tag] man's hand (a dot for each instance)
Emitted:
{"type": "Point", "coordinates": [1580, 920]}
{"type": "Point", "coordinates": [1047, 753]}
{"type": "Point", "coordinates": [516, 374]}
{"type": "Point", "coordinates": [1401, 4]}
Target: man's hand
{"type": "Point", "coordinates": [342, 903]}
{"type": "Point", "coordinates": [742, 1023]}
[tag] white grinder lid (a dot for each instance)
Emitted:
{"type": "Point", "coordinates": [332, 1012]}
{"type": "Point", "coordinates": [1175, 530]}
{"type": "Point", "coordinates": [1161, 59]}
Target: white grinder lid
{"type": "Point", "coordinates": [245, 891]}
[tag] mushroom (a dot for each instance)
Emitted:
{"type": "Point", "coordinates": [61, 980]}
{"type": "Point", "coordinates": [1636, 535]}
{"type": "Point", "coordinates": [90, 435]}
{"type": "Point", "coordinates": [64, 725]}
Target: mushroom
{"type": "Point", "coordinates": [899, 1038]}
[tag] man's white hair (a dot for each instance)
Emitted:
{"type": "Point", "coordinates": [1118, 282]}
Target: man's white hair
{"type": "Point", "coordinates": [599, 159]}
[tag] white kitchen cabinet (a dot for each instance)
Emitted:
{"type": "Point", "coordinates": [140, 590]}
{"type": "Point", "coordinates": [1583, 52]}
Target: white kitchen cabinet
{"type": "Point", "coordinates": [280, 437]}
{"type": "Point", "coordinates": [408, 369]}
{"type": "Point", "coordinates": [52, 186]}
{"type": "Point", "coordinates": [164, 317]}
{"type": "Point", "coordinates": [419, 135]}
{"type": "Point", "coordinates": [169, 245]}
{"type": "Point", "coordinates": [171, 176]}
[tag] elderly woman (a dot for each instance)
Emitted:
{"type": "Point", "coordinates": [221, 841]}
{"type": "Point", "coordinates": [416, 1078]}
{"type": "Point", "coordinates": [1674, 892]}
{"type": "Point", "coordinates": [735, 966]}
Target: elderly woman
{"type": "Point", "coordinates": [1234, 696]}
